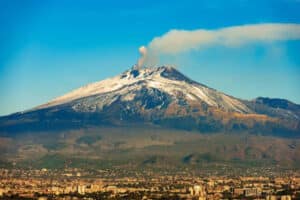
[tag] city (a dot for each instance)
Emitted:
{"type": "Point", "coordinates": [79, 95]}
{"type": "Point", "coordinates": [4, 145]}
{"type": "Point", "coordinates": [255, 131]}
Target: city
{"type": "Point", "coordinates": [117, 184]}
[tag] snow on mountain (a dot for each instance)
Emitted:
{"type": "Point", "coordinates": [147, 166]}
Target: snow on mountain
{"type": "Point", "coordinates": [165, 79]}
{"type": "Point", "coordinates": [159, 96]}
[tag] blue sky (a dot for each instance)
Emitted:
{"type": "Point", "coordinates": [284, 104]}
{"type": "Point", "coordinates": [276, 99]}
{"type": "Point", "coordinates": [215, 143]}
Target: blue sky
{"type": "Point", "coordinates": [50, 47]}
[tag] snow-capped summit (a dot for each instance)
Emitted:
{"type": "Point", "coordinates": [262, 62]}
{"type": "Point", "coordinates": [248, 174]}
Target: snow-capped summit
{"type": "Point", "coordinates": [165, 79]}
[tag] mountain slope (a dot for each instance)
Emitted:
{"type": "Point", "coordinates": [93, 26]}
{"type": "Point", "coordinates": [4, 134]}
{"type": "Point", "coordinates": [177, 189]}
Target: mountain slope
{"type": "Point", "coordinates": [159, 96]}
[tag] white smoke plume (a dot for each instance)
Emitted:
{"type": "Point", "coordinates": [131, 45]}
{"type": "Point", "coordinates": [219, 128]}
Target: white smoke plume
{"type": "Point", "coordinates": [177, 41]}
{"type": "Point", "coordinates": [143, 56]}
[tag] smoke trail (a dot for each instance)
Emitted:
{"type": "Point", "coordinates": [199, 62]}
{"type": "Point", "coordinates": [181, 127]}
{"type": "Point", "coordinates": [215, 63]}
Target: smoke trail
{"type": "Point", "coordinates": [177, 41]}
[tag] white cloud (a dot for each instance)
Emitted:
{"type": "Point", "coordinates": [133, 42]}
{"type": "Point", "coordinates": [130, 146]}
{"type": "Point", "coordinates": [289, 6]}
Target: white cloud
{"type": "Point", "coordinates": [176, 41]}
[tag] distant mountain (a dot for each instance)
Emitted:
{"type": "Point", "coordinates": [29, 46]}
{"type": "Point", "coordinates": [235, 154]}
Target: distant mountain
{"type": "Point", "coordinates": [160, 96]}
{"type": "Point", "coordinates": [280, 108]}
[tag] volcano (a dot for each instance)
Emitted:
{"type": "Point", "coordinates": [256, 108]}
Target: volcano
{"type": "Point", "coordinates": [160, 96]}
{"type": "Point", "coordinates": [152, 116]}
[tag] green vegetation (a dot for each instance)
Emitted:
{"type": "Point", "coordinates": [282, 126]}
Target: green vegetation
{"type": "Point", "coordinates": [136, 147]}
{"type": "Point", "coordinates": [89, 139]}
{"type": "Point", "coordinates": [55, 146]}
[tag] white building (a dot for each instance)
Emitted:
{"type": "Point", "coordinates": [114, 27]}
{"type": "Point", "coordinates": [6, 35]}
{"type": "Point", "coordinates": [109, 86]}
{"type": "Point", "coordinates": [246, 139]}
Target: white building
{"type": "Point", "coordinates": [81, 189]}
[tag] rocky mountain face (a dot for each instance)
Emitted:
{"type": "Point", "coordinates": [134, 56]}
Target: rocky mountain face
{"type": "Point", "coordinates": [160, 96]}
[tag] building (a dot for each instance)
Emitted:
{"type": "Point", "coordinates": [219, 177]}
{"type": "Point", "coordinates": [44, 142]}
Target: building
{"type": "Point", "coordinates": [286, 197]}
{"type": "Point", "coordinates": [81, 189]}
{"type": "Point", "coordinates": [250, 192]}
